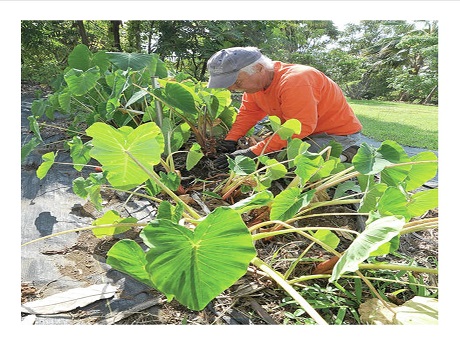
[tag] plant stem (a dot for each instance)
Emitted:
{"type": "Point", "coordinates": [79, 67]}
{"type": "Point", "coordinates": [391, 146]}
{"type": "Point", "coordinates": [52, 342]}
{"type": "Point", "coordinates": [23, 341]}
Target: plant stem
{"type": "Point", "coordinates": [289, 289]}
{"type": "Point", "coordinates": [154, 176]}
{"type": "Point", "coordinates": [419, 225]}
{"type": "Point", "coordinates": [82, 229]}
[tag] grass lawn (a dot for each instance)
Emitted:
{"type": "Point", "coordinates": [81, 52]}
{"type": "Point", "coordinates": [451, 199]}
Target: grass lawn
{"type": "Point", "coordinates": [408, 124]}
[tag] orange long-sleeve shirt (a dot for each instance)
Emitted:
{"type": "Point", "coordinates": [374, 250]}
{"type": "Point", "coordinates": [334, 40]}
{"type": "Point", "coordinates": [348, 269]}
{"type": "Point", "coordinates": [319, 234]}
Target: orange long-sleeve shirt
{"type": "Point", "coordinates": [296, 92]}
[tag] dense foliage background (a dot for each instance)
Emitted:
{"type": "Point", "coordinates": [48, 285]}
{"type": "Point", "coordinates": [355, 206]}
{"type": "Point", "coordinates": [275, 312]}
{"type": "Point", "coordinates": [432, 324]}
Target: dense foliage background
{"type": "Point", "coordinates": [378, 59]}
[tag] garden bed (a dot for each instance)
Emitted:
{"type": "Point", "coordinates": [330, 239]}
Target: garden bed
{"type": "Point", "coordinates": [78, 259]}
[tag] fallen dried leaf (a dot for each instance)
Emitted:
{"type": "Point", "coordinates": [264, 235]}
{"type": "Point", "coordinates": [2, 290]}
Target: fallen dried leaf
{"type": "Point", "coordinates": [69, 300]}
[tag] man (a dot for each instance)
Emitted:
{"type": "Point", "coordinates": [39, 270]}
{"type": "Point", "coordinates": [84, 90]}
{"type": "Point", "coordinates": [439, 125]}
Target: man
{"type": "Point", "coordinates": [288, 91]}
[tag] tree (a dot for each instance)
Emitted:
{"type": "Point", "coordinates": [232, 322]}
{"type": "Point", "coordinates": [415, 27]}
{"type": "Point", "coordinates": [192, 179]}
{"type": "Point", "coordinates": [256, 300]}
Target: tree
{"type": "Point", "coordinates": [413, 54]}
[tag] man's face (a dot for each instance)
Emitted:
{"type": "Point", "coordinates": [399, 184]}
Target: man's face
{"type": "Point", "coordinates": [247, 83]}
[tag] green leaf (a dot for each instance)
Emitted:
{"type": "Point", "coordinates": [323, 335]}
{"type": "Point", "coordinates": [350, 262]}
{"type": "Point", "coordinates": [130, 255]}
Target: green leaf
{"type": "Point", "coordinates": [325, 170]}
{"type": "Point", "coordinates": [376, 233]}
{"type": "Point", "coordinates": [38, 109]}
{"type": "Point", "coordinates": [80, 82]}
{"type": "Point", "coordinates": [307, 167]}
{"type": "Point", "coordinates": [64, 101]}
{"type": "Point", "coordinates": [34, 127]}
{"type": "Point", "coordinates": [242, 165]}
{"type": "Point", "coordinates": [27, 148]}
{"type": "Point", "coordinates": [100, 60]}
{"type": "Point", "coordinates": [369, 161]}
{"type": "Point", "coordinates": [254, 201]}
{"type": "Point", "coordinates": [196, 266]}
{"type": "Point", "coordinates": [179, 96]}
{"type": "Point", "coordinates": [386, 248]}
{"type": "Point", "coordinates": [287, 129]}
{"type": "Point", "coordinates": [48, 161]}
{"type": "Point", "coordinates": [327, 237]}
{"type": "Point", "coordinates": [80, 57]}
{"type": "Point", "coordinates": [422, 201]}
{"type": "Point", "coordinates": [371, 197]}
{"type": "Point", "coordinates": [423, 172]}
{"type": "Point", "coordinates": [170, 179]}
{"type": "Point", "coordinates": [112, 217]}
{"type": "Point", "coordinates": [158, 67]}
{"type": "Point", "coordinates": [137, 96]}
{"type": "Point", "coordinates": [287, 203]}
{"type": "Point", "coordinates": [128, 257]}
{"type": "Point", "coordinates": [170, 212]}
{"type": "Point", "coordinates": [111, 147]}
{"type": "Point", "coordinates": [193, 156]}
{"type": "Point", "coordinates": [393, 202]}
{"type": "Point", "coordinates": [344, 187]}
{"type": "Point", "coordinates": [90, 187]}
{"type": "Point", "coordinates": [275, 169]}
{"type": "Point", "coordinates": [133, 61]}
{"type": "Point", "coordinates": [79, 152]}
{"type": "Point", "coordinates": [295, 148]}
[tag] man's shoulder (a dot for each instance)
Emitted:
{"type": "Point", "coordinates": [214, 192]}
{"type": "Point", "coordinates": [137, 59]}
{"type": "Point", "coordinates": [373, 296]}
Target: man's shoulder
{"type": "Point", "coordinates": [292, 74]}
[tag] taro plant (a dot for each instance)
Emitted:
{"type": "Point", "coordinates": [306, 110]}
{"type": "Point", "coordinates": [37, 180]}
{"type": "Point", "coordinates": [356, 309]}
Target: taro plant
{"type": "Point", "coordinates": [191, 256]}
{"type": "Point", "coordinates": [194, 257]}
{"type": "Point", "coordinates": [129, 89]}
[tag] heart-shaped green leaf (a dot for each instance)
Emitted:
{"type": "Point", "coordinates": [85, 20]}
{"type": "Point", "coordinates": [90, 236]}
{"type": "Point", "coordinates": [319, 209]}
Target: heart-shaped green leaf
{"type": "Point", "coordinates": [113, 148]}
{"type": "Point", "coordinates": [178, 96]}
{"type": "Point", "coordinates": [128, 257]}
{"type": "Point", "coordinates": [80, 82]}
{"type": "Point", "coordinates": [80, 57]}
{"type": "Point", "coordinates": [133, 61]}
{"type": "Point", "coordinates": [196, 266]}
{"type": "Point", "coordinates": [287, 203]}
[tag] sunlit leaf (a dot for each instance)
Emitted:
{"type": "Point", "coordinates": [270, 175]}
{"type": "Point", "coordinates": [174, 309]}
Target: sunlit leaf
{"type": "Point", "coordinates": [287, 203]}
{"type": "Point", "coordinates": [111, 147]}
{"type": "Point", "coordinates": [306, 167]}
{"type": "Point", "coordinates": [79, 152]}
{"type": "Point", "coordinates": [193, 156]}
{"type": "Point", "coordinates": [327, 237]}
{"type": "Point", "coordinates": [196, 266]}
{"type": "Point", "coordinates": [81, 82]}
{"type": "Point", "coordinates": [128, 257]}
{"type": "Point", "coordinates": [133, 61]}
{"type": "Point", "coordinates": [254, 201]}
{"type": "Point", "coordinates": [422, 202]}
{"type": "Point", "coordinates": [423, 172]}
{"type": "Point", "coordinates": [112, 217]}
{"type": "Point", "coordinates": [242, 165]}
{"type": "Point", "coordinates": [48, 161]}
{"type": "Point", "coordinates": [376, 233]}
{"type": "Point", "coordinates": [170, 212]}
{"type": "Point", "coordinates": [287, 129]}
{"type": "Point", "coordinates": [393, 202]}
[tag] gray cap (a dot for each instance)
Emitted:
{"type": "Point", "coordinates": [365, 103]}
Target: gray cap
{"type": "Point", "coordinates": [224, 65]}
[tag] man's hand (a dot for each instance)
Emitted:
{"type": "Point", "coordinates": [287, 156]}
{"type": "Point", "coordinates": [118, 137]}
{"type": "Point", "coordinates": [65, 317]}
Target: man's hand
{"type": "Point", "coordinates": [226, 146]}
{"type": "Point", "coordinates": [222, 161]}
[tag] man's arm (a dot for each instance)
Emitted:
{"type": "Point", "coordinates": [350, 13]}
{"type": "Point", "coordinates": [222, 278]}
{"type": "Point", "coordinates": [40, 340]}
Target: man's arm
{"type": "Point", "coordinates": [248, 115]}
